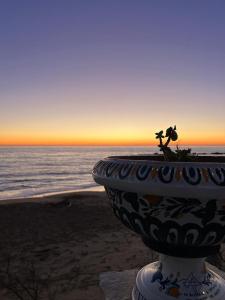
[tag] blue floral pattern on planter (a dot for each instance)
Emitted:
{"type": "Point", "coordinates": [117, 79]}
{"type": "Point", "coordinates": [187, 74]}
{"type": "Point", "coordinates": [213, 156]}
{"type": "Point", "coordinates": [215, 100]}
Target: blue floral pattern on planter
{"type": "Point", "coordinates": [147, 171]}
{"type": "Point", "coordinates": [172, 284]}
{"type": "Point", "coordinates": [159, 218]}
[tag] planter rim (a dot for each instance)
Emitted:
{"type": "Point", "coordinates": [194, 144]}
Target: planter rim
{"type": "Point", "coordinates": [160, 177]}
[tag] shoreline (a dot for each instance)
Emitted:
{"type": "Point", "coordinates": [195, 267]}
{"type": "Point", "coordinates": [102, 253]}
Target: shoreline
{"type": "Point", "coordinates": [50, 195]}
{"type": "Point", "coordinates": [47, 179]}
{"type": "Point", "coordinates": [53, 197]}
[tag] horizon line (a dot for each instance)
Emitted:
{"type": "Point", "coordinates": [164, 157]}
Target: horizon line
{"type": "Point", "coordinates": [106, 145]}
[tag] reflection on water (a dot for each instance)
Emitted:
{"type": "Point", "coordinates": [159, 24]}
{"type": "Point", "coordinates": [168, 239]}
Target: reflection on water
{"type": "Point", "coordinates": [30, 171]}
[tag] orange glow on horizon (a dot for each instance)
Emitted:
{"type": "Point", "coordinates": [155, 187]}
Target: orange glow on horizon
{"type": "Point", "coordinates": [115, 141]}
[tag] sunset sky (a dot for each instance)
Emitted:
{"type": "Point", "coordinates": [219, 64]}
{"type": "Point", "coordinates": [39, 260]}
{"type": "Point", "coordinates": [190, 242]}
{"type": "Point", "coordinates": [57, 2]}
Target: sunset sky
{"type": "Point", "coordinates": [89, 72]}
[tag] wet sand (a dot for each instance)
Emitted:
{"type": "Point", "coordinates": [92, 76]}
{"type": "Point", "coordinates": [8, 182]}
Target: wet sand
{"type": "Point", "coordinates": [68, 240]}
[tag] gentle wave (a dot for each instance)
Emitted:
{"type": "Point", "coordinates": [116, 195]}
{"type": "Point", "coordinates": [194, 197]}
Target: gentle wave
{"type": "Point", "coordinates": [32, 171]}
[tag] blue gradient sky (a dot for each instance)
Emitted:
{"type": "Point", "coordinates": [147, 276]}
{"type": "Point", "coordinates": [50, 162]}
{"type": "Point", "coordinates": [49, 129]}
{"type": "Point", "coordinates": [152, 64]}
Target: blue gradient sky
{"type": "Point", "coordinates": [101, 72]}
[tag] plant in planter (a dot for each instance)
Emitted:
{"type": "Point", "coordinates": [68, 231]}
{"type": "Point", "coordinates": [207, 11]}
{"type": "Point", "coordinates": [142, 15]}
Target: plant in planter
{"type": "Point", "coordinates": [177, 204]}
{"type": "Point", "coordinates": [178, 155]}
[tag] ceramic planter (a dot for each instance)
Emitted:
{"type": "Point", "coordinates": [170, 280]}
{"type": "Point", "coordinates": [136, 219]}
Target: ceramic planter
{"type": "Point", "coordinates": [178, 208]}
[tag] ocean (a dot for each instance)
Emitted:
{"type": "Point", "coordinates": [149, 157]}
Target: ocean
{"type": "Point", "coordinates": [35, 171]}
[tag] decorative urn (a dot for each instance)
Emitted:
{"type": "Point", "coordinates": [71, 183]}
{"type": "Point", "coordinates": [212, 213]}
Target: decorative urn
{"type": "Point", "coordinates": [178, 208]}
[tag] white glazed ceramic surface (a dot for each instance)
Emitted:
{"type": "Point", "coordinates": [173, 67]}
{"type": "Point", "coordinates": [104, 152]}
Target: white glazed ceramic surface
{"type": "Point", "coordinates": [162, 178]}
{"type": "Point", "coordinates": [177, 278]}
{"type": "Point", "coordinates": [179, 210]}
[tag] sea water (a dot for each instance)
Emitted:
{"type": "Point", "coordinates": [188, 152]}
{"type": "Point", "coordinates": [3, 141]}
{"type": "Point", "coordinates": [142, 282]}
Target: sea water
{"type": "Point", "coordinates": [33, 171]}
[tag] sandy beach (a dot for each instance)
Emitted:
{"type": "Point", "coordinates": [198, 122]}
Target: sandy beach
{"type": "Point", "coordinates": [61, 243]}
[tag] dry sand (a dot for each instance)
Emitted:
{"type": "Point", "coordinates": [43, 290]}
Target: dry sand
{"type": "Point", "coordinates": [68, 245]}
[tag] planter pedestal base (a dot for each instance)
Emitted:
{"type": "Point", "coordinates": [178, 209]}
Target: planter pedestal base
{"type": "Point", "coordinates": [181, 278]}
